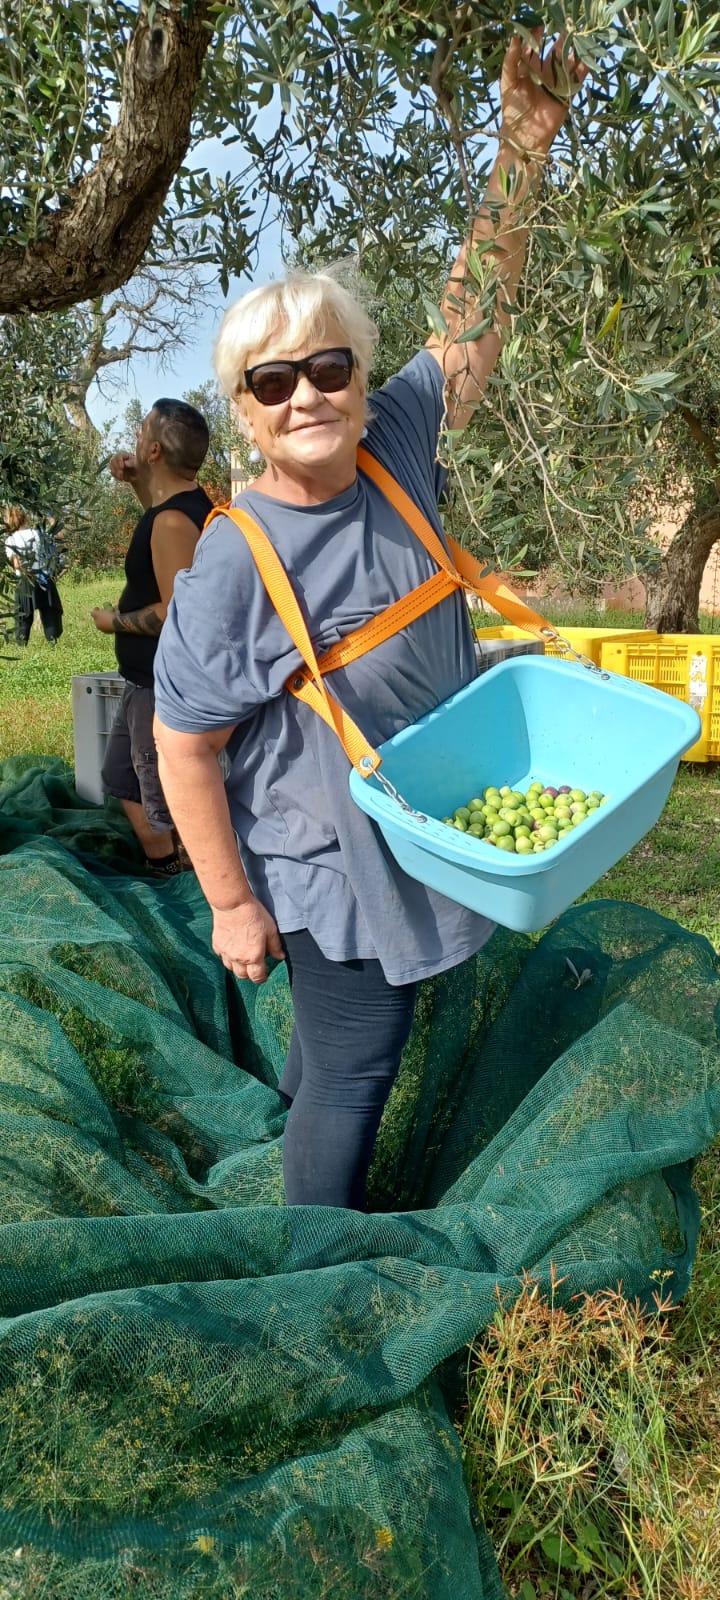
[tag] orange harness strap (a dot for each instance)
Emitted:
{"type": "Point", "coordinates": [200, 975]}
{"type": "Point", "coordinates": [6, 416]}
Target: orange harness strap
{"type": "Point", "coordinates": [306, 683]}
{"type": "Point", "coordinates": [468, 573]}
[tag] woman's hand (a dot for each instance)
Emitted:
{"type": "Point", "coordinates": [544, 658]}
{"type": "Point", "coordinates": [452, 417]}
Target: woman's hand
{"type": "Point", "coordinates": [243, 937]}
{"type": "Point", "coordinates": [535, 93]}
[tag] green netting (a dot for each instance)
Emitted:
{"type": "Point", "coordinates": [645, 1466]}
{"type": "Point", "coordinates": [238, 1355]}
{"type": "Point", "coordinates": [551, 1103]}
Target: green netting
{"type": "Point", "coordinates": [205, 1394]}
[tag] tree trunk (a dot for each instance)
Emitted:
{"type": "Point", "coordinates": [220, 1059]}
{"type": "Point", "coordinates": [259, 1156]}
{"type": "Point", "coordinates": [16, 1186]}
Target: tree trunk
{"type": "Point", "coordinates": [673, 592]}
{"type": "Point", "coordinates": [80, 417]}
{"type": "Point", "coordinates": [97, 237]}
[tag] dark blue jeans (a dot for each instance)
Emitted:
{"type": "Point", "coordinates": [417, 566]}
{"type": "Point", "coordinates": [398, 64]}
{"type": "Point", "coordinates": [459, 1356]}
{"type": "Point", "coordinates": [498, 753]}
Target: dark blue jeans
{"type": "Point", "coordinates": [351, 1027]}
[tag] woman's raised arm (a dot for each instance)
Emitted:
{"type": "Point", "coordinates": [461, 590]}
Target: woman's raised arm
{"type": "Point", "coordinates": [535, 93]}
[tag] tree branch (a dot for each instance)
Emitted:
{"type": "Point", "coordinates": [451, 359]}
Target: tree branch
{"type": "Point", "coordinates": [705, 440]}
{"type": "Point", "coordinates": [94, 241]}
{"type": "Point", "coordinates": [442, 60]}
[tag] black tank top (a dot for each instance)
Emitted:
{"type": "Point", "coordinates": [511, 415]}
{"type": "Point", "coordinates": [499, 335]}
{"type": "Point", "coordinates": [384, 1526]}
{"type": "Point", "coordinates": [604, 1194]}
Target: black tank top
{"type": "Point", "coordinates": [135, 653]}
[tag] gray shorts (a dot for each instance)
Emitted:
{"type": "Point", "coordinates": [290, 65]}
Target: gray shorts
{"type": "Point", "coordinates": [130, 769]}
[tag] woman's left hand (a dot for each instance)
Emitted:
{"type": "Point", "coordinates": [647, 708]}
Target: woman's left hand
{"type": "Point", "coordinates": [535, 92]}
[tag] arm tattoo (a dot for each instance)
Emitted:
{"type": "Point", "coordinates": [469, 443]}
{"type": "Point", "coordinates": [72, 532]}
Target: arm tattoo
{"type": "Point", "coordinates": [146, 622]}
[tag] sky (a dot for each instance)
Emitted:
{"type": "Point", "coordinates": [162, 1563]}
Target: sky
{"type": "Point", "coordinates": [191, 365]}
{"type": "Point", "coordinates": [142, 378]}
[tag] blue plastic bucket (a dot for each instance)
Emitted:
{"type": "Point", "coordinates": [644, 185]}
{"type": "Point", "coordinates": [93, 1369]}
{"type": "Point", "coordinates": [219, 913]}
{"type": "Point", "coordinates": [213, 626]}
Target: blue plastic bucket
{"type": "Point", "coordinates": [529, 719]}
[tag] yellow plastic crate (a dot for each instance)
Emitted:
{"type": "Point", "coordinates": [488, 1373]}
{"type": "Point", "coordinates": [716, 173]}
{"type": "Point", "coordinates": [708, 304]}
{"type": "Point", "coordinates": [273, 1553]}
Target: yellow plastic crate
{"type": "Point", "coordinates": [587, 641]}
{"type": "Point", "coordinates": [686, 665]}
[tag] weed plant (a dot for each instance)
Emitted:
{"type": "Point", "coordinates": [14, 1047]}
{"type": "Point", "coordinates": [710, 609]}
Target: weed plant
{"type": "Point", "coordinates": [582, 1457]}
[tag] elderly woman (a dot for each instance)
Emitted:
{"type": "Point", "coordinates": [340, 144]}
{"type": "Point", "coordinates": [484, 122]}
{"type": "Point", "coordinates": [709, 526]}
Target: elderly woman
{"type": "Point", "coordinates": [312, 881]}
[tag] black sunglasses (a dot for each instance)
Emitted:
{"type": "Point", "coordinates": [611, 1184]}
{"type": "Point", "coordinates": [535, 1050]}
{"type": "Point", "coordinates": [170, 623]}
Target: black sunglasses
{"type": "Point", "coordinates": [273, 382]}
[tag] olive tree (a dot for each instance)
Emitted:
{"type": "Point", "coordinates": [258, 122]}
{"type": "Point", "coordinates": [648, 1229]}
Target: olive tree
{"type": "Point", "coordinates": [38, 447]}
{"type": "Point", "coordinates": [47, 465]}
{"type": "Point", "coordinates": [153, 314]}
{"type": "Point", "coordinates": [373, 125]}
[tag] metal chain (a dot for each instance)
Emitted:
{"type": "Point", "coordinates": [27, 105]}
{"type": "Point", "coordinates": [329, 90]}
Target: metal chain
{"type": "Point", "coordinates": [392, 792]}
{"type": "Point", "coordinates": [565, 648]}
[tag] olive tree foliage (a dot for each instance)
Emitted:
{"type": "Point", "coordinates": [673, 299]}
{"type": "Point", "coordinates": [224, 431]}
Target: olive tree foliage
{"type": "Point", "coordinates": [40, 465]}
{"type": "Point", "coordinates": [36, 445]}
{"type": "Point", "coordinates": [372, 125]}
{"type": "Point", "coordinates": [50, 467]}
{"type": "Point", "coordinates": [53, 459]}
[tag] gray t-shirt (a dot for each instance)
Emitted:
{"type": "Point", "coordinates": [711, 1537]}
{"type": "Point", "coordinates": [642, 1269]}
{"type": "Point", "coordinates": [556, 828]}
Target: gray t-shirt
{"type": "Point", "coordinates": [312, 857]}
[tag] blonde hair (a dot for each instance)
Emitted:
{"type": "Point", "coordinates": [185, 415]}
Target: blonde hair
{"type": "Point", "coordinates": [298, 309]}
{"type": "Point", "coordinates": [15, 518]}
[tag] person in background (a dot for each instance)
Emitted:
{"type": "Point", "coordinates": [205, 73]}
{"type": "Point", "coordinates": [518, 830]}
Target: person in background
{"type": "Point", "coordinates": [171, 445]}
{"type": "Point", "coordinates": [314, 882]}
{"type": "Point", "coordinates": [31, 554]}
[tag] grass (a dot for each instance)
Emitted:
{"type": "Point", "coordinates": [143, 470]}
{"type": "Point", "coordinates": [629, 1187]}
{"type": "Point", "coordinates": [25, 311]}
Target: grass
{"type": "Point", "coordinates": [676, 869]}
{"type": "Point", "coordinates": [583, 614]}
{"type": "Point", "coordinates": [35, 683]}
{"type": "Point", "coordinates": [594, 1477]}
{"type": "Point", "coordinates": [592, 1440]}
